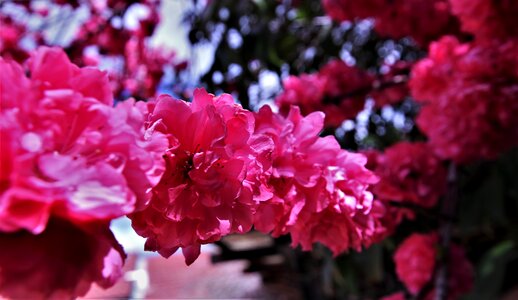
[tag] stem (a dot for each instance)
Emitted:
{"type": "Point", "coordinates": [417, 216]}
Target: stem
{"type": "Point", "coordinates": [449, 206]}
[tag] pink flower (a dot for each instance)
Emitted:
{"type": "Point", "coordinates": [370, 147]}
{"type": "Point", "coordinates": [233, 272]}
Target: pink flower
{"type": "Point", "coordinates": [306, 91]}
{"type": "Point", "coordinates": [59, 263]}
{"type": "Point", "coordinates": [409, 172]}
{"type": "Point", "coordinates": [423, 20]}
{"type": "Point", "coordinates": [346, 88]}
{"type": "Point", "coordinates": [320, 190]}
{"type": "Point", "coordinates": [469, 94]}
{"type": "Point", "coordinates": [487, 19]}
{"type": "Point", "coordinates": [415, 262]}
{"type": "Point", "coordinates": [338, 90]}
{"type": "Point", "coordinates": [349, 10]}
{"type": "Point", "coordinates": [208, 187]}
{"type": "Point", "coordinates": [66, 152]}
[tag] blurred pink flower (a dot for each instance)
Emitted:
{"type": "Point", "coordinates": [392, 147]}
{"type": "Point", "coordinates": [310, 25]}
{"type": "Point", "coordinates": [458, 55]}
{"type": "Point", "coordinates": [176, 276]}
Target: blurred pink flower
{"type": "Point", "coordinates": [423, 20]}
{"type": "Point", "coordinates": [469, 94]}
{"type": "Point", "coordinates": [416, 259]}
{"type": "Point", "coordinates": [410, 172]}
{"type": "Point", "coordinates": [487, 19]}
{"type": "Point", "coordinates": [59, 263]}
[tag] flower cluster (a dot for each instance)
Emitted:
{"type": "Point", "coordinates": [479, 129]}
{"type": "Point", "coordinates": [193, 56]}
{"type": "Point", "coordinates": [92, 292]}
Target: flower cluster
{"type": "Point", "coordinates": [469, 93]}
{"type": "Point", "coordinates": [486, 19]}
{"type": "Point", "coordinates": [227, 170]}
{"type": "Point", "coordinates": [105, 39]}
{"type": "Point", "coordinates": [70, 163]}
{"type": "Point", "coordinates": [423, 20]}
{"type": "Point", "coordinates": [337, 89]}
{"type": "Point", "coordinates": [316, 198]}
{"type": "Point", "coordinates": [416, 262]}
{"type": "Point", "coordinates": [409, 172]}
{"type": "Point", "coordinates": [207, 189]}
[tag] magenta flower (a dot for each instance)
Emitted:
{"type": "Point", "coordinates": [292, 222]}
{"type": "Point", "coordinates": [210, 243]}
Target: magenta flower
{"type": "Point", "coordinates": [208, 187]}
{"type": "Point", "coordinates": [410, 172]}
{"type": "Point", "coordinates": [415, 261]}
{"type": "Point", "coordinates": [469, 96]}
{"type": "Point", "coordinates": [320, 190]}
{"type": "Point", "coordinates": [68, 154]}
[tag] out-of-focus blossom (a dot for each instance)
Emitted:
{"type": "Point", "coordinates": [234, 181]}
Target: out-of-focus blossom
{"type": "Point", "coordinates": [469, 94]}
{"type": "Point", "coordinates": [416, 259]}
{"type": "Point", "coordinates": [349, 10]}
{"type": "Point", "coordinates": [392, 88]}
{"type": "Point", "coordinates": [205, 192]}
{"type": "Point", "coordinates": [386, 212]}
{"type": "Point", "coordinates": [305, 91]}
{"type": "Point", "coordinates": [423, 20]}
{"type": "Point", "coordinates": [10, 34]}
{"type": "Point", "coordinates": [488, 19]}
{"type": "Point", "coordinates": [59, 263]}
{"type": "Point", "coordinates": [320, 190]}
{"type": "Point", "coordinates": [346, 88]}
{"type": "Point", "coordinates": [144, 68]}
{"type": "Point", "coordinates": [67, 153]}
{"type": "Point", "coordinates": [337, 89]}
{"type": "Point", "coordinates": [410, 172]}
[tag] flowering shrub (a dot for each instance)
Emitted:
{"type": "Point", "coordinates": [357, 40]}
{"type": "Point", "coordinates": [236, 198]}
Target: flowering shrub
{"type": "Point", "coordinates": [394, 118]}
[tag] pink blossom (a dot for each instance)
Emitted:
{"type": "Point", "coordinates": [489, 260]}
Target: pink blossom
{"type": "Point", "coordinates": [337, 89]}
{"type": "Point", "coordinates": [415, 262]}
{"type": "Point", "coordinates": [423, 20]}
{"type": "Point", "coordinates": [487, 19]}
{"type": "Point", "coordinates": [208, 187]}
{"type": "Point", "coordinates": [66, 152]}
{"type": "Point", "coordinates": [410, 172]}
{"type": "Point", "coordinates": [346, 88]}
{"type": "Point", "coordinates": [306, 91]}
{"type": "Point", "coordinates": [469, 96]}
{"type": "Point", "coordinates": [59, 263]}
{"type": "Point", "coordinates": [320, 190]}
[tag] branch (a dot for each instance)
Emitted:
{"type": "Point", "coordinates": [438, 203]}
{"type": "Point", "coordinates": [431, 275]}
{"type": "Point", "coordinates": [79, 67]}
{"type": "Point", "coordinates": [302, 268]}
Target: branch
{"type": "Point", "coordinates": [448, 208]}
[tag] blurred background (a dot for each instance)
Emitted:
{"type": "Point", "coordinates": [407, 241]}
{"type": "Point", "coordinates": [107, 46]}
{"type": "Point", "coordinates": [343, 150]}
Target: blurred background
{"type": "Point", "coordinates": [275, 53]}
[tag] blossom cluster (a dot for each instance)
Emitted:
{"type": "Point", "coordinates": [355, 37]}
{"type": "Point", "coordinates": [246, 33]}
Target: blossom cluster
{"type": "Point", "coordinates": [468, 93]}
{"type": "Point", "coordinates": [70, 163]}
{"type": "Point", "coordinates": [487, 20]}
{"type": "Point", "coordinates": [228, 169]}
{"type": "Point", "coordinates": [409, 173]}
{"type": "Point", "coordinates": [331, 90]}
{"type": "Point", "coordinates": [135, 68]}
{"type": "Point", "coordinates": [186, 173]}
{"type": "Point", "coordinates": [423, 20]}
{"type": "Point", "coordinates": [415, 261]}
